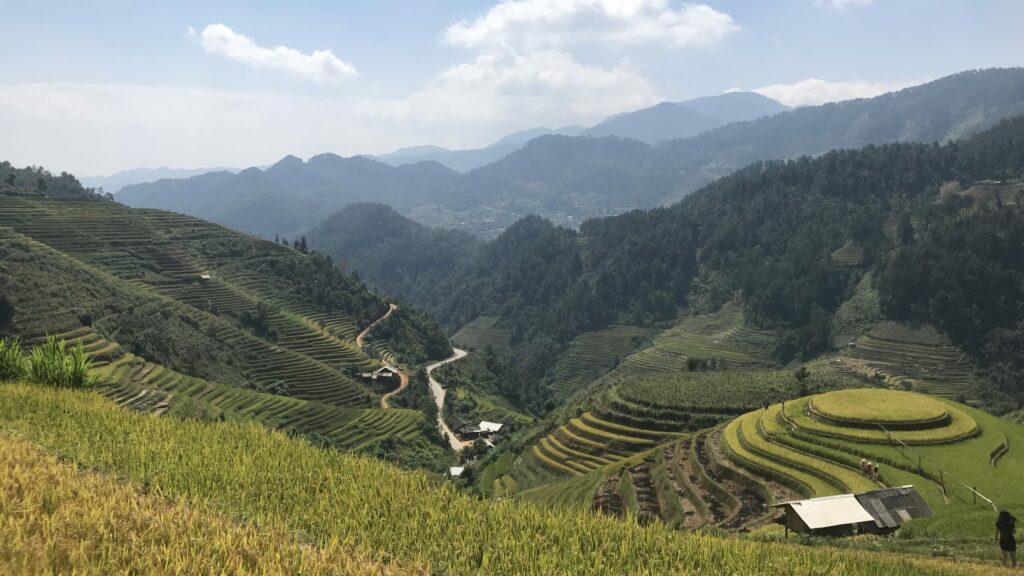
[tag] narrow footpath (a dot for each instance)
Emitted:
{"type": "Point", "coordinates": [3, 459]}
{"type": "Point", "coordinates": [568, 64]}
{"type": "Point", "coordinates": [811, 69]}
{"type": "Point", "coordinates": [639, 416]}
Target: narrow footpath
{"type": "Point", "coordinates": [439, 393]}
{"type": "Point", "coordinates": [403, 378]}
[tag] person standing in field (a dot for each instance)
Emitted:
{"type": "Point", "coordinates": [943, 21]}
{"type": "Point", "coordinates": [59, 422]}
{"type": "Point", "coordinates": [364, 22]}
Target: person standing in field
{"type": "Point", "coordinates": [1006, 536]}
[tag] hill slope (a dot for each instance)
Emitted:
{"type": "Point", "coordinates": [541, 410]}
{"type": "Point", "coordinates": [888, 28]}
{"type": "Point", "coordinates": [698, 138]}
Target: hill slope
{"type": "Point", "coordinates": [185, 317]}
{"type": "Point", "coordinates": [271, 480]}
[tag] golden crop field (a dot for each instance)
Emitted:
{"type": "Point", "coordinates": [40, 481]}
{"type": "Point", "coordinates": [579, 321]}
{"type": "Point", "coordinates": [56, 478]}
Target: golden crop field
{"type": "Point", "coordinates": [58, 519]}
{"type": "Point", "coordinates": [270, 480]}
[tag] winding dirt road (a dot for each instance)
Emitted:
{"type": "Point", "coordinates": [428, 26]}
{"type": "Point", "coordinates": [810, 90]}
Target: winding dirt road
{"type": "Point", "coordinates": [403, 378]}
{"type": "Point", "coordinates": [362, 335]}
{"type": "Point", "coordinates": [439, 392]}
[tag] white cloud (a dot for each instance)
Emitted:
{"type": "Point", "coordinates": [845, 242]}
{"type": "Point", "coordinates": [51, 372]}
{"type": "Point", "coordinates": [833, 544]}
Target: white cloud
{"type": "Point", "coordinates": [507, 88]}
{"type": "Point", "coordinates": [525, 73]}
{"type": "Point", "coordinates": [842, 3]}
{"type": "Point", "coordinates": [813, 91]}
{"type": "Point", "coordinates": [529, 25]}
{"type": "Point", "coordinates": [321, 65]}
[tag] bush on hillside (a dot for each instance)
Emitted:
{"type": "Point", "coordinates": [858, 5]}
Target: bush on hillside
{"type": "Point", "coordinates": [52, 364]}
{"type": "Point", "coordinates": [12, 362]}
{"type": "Point", "coordinates": [6, 312]}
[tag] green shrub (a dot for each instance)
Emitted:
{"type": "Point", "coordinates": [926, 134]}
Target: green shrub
{"type": "Point", "coordinates": [12, 362]}
{"type": "Point", "coordinates": [54, 366]}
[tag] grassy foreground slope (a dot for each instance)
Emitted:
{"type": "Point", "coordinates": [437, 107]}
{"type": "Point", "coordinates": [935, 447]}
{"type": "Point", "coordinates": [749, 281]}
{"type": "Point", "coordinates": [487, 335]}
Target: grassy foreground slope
{"type": "Point", "coordinates": [267, 478]}
{"type": "Point", "coordinates": [59, 519]}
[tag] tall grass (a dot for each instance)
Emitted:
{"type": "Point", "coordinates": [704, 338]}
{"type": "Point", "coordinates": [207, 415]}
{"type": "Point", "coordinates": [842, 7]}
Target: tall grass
{"type": "Point", "coordinates": [54, 366]}
{"type": "Point", "coordinates": [267, 478]}
{"type": "Point", "coordinates": [13, 365]}
{"type": "Point", "coordinates": [61, 520]}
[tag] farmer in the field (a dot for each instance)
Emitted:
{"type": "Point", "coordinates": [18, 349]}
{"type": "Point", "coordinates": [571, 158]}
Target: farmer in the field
{"type": "Point", "coordinates": [1006, 536]}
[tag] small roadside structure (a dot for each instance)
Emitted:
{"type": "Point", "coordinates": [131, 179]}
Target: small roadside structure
{"type": "Point", "coordinates": [456, 471]}
{"type": "Point", "coordinates": [388, 371]}
{"type": "Point", "coordinates": [466, 431]}
{"type": "Point", "coordinates": [205, 277]}
{"type": "Point", "coordinates": [877, 512]}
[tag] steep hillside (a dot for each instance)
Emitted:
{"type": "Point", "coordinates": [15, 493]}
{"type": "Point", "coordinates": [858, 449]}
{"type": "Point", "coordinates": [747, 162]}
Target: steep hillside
{"type": "Point", "coordinates": [754, 239]}
{"type": "Point", "coordinates": [185, 317]}
{"type": "Point", "coordinates": [571, 179]}
{"type": "Point", "coordinates": [269, 481]}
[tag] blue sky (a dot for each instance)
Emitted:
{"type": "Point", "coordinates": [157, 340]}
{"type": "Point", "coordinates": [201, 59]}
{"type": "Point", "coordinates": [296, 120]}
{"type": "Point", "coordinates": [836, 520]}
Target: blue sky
{"type": "Point", "coordinates": [96, 87]}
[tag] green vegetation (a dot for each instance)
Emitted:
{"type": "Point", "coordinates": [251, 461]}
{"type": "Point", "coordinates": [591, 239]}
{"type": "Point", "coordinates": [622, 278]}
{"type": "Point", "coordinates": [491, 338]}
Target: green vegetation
{"type": "Point", "coordinates": [13, 365]}
{"type": "Point", "coordinates": [52, 365]}
{"type": "Point", "coordinates": [592, 354]}
{"type": "Point", "coordinates": [179, 316]}
{"type": "Point", "coordinates": [268, 479]}
{"type": "Point", "coordinates": [482, 333]}
{"type": "Point", "coordinates": [943, 457]}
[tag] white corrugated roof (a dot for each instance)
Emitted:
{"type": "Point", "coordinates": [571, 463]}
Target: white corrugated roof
{"type": "Point", "coordinates": [486, 426]}
{"type": "Point", "coordinates": [830, 511]}
{"type": "Point", "coordinates": [456, 470]}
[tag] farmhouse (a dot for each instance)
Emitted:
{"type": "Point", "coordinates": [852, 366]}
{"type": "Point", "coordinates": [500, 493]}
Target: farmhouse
{"type": "Point", "coordinates": [388, 371]}
{"type": "Point", "coordinates": [878, 512]}
{"type": "Point", "coordinates": [466, 431]}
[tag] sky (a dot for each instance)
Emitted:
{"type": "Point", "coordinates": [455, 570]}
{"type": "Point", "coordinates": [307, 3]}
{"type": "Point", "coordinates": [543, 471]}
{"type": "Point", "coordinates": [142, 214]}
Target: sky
{"type": "Point", "coordinates": [96, 87]}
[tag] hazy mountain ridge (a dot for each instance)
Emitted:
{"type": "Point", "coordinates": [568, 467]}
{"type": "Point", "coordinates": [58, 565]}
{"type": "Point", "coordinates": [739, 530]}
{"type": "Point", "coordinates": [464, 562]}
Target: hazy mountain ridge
{"type": "Point", "coordinates": [571, 179]}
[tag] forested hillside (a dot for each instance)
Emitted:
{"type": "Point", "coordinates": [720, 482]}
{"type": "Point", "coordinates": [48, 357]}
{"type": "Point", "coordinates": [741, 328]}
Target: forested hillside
{"type": "Point", "coordinates": [568, 180]}
{"type": "Point", "coordinates": [757, 237]}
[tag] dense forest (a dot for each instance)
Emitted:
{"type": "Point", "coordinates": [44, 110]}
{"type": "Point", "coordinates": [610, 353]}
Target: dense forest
{"type": "Point", "coordinates": [37, 181]}
{"type": "Point", "coordinates": [765, 236]}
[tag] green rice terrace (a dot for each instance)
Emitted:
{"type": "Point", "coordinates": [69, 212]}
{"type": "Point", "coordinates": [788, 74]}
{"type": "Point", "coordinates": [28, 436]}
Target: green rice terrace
{"type": "Point", "coordinates": [592, 354]}
{"type": "Point", "coordinates": [183, 317]}
{"type": "Point", "coordinates": [700, 450]}
{"type": "Point", "coordinates": [723, 336]}
{"type": "Point", "coordinates": [960, 459]}
{"type": "Point", "coordinates": [634, 418]}
{"type": "Point", "coordinates": [920, 359]}
{"type": "Point", "coordinates": [481, 333]}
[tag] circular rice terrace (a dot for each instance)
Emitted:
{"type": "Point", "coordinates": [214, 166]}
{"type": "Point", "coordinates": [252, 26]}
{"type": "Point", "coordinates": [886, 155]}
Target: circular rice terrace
{"type": "Point", "coordinates": [814, 444]}
{"type": "Point", "coordinates": [871, 408]}
{"type": "Point", "coordinates": [878, 415]}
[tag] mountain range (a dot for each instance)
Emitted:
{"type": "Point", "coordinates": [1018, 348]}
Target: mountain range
{"type": "Point", "coordinates": [569, 179]}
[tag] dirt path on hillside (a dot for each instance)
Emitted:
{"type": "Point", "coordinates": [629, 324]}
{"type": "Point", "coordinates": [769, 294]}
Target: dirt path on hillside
{"type": "Point", "coordinates": [403, 381]}
{"type": "Point", "coordinates": [403, 378]}
{"type": "Point", "coordinates": [439, 393]}
{"type": "Point", "coordinates": [362, 335]}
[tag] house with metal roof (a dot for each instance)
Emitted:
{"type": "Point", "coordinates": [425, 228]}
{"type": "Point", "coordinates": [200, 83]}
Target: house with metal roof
{"type": "Point", "coordinates": [878, 512]}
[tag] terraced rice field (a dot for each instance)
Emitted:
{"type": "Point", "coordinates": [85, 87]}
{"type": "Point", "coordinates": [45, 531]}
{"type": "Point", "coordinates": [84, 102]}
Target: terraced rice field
{"type": "Point", "coordinates": [163, 254]}
{"type": "Point", "coordinates": [592, 354]}
{"type": "Point", "coordinates": [685, 483]}
{"type": "Point", "coordinates": [921, 359]}
{"type": "Point", "coordinates": [636, 414]}
{"type": "Point", "coordinates": [723, 336]}
{"type": "Point", "coordinates": [143, 386]}
{"type": "Point", "coordinates": [942, 448]}
{"type": "Point", "coordinates": [481, 333]}
{"type": "Point", "coordinates": [850, 254]}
